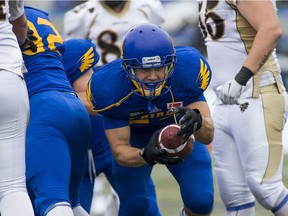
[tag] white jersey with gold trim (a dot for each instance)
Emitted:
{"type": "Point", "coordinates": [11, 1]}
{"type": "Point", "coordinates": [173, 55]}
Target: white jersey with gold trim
{"type": "Point", "coordinates": [96, 21]}
{"type": "Point", "coordinates": [228, 38]}
{"type": "Point", "coordinates": [247, 146]}
{"type": "Point", "coordinates": [11, 57]}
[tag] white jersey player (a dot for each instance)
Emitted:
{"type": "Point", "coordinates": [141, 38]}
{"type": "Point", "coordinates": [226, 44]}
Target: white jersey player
{"type": "Point", "coordinates": [14, 111]}
{"type": "Point", "coordinates": [240, 37]}
{"type": "Point", "coordinates": [97, 21]}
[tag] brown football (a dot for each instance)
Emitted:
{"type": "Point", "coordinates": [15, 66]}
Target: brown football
{"type": "Point", "coordinates": [169, 141]}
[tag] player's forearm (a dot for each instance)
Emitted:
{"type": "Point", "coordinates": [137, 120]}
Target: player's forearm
{"type": "Point", "coordinates": [206, 133]}
{"type": "Point", "coordinates": [265, 41]}
{"type": "Point", "coordinates": [126, 155]}
{"type": "Point", "coordinates": [123, 152]}
{"type": "Point", "coordinates": [20, 28]}
{"type": "Point", "coordinates": [267, 27]}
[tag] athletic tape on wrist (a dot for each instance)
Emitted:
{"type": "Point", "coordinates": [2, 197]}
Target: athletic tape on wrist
{"type": "Point", "coordinates": [243, 76]}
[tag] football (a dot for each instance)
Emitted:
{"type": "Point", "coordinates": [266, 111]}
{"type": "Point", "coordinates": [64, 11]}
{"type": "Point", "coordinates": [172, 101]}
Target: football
{"type": "Point", "coordinates": [169, 141]}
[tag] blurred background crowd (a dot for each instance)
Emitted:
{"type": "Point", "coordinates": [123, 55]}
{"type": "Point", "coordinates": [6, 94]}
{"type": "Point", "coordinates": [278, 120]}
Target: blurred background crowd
{"type": "Point", "coordinates": [180, 21]}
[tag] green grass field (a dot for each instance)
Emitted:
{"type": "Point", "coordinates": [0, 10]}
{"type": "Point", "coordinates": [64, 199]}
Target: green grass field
{"type": "Point", "coordinates": [169, 197]}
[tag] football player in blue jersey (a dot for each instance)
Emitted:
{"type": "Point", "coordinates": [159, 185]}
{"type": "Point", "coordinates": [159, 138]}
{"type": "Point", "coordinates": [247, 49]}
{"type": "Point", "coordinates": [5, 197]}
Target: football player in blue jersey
{"type": "Point", "coordinates": [58, 133]}
{"type": "Point", "coordinates": [84, 54]}
{"type": "Point", "coordinates": [79, 59]}
{"type": "Point", "coordinates": [155, 84]}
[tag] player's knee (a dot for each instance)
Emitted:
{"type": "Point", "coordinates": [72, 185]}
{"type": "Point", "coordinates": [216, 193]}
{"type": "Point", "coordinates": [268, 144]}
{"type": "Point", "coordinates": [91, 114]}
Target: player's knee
{"type": "Point", "coordinates": [202, 204]}
{"type": "Point", "coordinates": [269, 196]}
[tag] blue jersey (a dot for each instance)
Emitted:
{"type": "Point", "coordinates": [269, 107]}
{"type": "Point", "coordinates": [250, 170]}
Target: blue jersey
{"type": "Point", "coordinates": [58, 133]}
{"type": "Point", "coordinates": [110, 94]}
{"type": "Point", "coordinates": [45, 69]}
{"type": "Point", "coordinates": [80, 55]}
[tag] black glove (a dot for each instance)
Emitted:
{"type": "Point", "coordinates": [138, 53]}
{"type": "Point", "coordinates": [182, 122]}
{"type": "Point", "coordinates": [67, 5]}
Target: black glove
{"type": "Point", "coordinates": [190, 122]}
{"type": "Point", "coordinates": [29, 42]}
{"type": "Point", "coordinates": [152, 154]}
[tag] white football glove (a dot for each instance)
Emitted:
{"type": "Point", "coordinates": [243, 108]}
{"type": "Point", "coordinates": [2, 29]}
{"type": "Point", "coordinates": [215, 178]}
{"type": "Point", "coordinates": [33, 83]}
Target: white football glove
{"type": "Point", "coordinates": [230, 92]}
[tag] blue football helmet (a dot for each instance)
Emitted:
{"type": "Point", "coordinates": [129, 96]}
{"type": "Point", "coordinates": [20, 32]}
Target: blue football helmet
{"type": "Point", "coordinates": [148, 46]}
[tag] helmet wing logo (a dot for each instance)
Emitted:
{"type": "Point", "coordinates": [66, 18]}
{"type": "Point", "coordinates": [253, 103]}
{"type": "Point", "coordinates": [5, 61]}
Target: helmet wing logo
{"type": "Point", "coordinates": [87, 60]}
{"type": "Point", "coordinates": [204, 75]}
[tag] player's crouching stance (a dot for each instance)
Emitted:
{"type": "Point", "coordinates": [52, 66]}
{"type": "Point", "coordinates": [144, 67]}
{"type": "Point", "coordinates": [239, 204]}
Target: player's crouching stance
{"type": "Point", "coordinates": [58, 132]}
{"type": "Point", "coordinates": [135, 95]}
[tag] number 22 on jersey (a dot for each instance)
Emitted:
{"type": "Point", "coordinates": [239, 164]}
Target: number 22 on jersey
{"type": "Point", "coordinates": [46, 42]}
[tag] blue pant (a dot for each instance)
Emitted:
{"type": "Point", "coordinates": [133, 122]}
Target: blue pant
{"type": "Point", "coordinates": [102, 157]}
{"type": "Point", "coordinates": [194, 177]}
{"type": "Point", "coordinates": [58, 136]}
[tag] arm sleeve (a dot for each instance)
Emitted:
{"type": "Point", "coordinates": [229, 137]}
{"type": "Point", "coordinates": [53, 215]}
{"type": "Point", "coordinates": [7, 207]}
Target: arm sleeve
{"type": "Point", "coordinates": [16, 9]}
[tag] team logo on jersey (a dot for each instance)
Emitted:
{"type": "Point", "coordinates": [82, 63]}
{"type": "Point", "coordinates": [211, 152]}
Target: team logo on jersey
{"type": "Point", "coordinates": [204, 75]}
{"type": "Point", "coordinates": [174, 104]}
{"type": "Point", "coordinates": [155, 110]}
{"type": "Point", "coordinates": [87, 60]}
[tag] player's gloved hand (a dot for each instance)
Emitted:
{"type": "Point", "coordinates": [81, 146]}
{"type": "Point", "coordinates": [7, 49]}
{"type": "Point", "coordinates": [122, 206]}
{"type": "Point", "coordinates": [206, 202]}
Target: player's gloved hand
{"type": "Point", "coordinates": [189, 123]}
{"type": "Point", "coordinates": [29, 42]}
{"type": "Point", "coordinates": [153, 155]}
{"type": "Point", "coordinates": [230, 92]}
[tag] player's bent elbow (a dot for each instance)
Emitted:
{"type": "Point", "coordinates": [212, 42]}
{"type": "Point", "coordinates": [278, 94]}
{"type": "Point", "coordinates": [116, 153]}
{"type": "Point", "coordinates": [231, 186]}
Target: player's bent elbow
{"type": "Point", "coordinates": [275, 32]}
{"type": "Point", "coordinates": [125, 163]}
{"type": "Point", "coordinates": [121, 162]}
{"type": "Point", "coordinates": [125, 160]}
{"type": "Point", "coordinates": [208, 139]}
{"type": "Point", "coordinates": [119, 158]}
{"type": "Point", "coordinates": [278, 33]}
